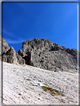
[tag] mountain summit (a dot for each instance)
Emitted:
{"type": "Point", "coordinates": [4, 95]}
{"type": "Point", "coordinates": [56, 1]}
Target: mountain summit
{"type": "Point", "coordinates": [44, 54]}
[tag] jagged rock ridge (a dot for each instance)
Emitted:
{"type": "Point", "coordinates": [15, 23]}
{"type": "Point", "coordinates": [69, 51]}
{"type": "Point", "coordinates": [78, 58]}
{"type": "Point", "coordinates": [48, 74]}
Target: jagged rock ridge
{"type": "Point", "coordinates": [9, 55]}
{"type": "Point", "coordinates": [44, 54]}
{"type": "Point", "coordinates": [48, 55]}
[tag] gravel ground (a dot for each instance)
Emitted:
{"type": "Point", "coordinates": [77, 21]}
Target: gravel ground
{"type": "Point", "coordinates": [22, 84]}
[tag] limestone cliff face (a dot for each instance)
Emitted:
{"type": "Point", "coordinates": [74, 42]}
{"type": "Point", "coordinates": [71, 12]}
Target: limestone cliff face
{"type": "Point", "coordinates": [48, 55]}
{"type": "Point", "coordinates": [12, 57]}
{"type": "Point", "coordinates": [42, 53]}
{"type": "Point", "coordinates": [9, 55]}
{"type": "Point", "coordinates": [37, 44]}
{"type": "Point", "coordinates": [5, 45]}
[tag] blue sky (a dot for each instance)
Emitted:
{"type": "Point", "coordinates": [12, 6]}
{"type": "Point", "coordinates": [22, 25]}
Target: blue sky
{"type": "Point", "coordinates": [56, 22]}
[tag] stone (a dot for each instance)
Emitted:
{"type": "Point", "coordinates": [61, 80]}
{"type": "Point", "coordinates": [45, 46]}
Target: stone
{"type": "Point", "coordinates": [20, 52]}
{"type": "Point", "coordinates": [8, 53]}
{"type": "Point", "coordinates": [12, 57]}
{"type": "Point", "coordinates": [20, 60]}
{"type": "Point", "coordinates": [3, 46]}
{"type": "Point", "coordinates": [50, 56]}
{"type": "Point", "coordinates": [44, 54]}
{"type": "Point", "coordinates": [28, 59]}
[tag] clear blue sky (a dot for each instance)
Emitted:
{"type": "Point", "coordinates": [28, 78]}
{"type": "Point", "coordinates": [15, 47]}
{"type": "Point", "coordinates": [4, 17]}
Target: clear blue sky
{"type": "Point", "coordinates": [56, 22]}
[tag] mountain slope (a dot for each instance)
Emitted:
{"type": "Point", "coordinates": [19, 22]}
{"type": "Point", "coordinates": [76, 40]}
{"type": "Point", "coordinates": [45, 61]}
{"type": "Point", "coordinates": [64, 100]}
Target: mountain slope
{"type": "Point", "coordinates": [42, 53]}
{"type": "Point", "coordinates": [24, 84]}
{"type": "Point", "coordinates": [48, 55]}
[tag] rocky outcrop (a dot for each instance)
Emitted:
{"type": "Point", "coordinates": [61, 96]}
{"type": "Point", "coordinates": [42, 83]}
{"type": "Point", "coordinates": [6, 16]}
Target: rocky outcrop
{"type": "Point", "coordinates": [12, 57]}
{"type": "Point", "coordinates": [54, 61]}
{"type": "Point", "coordinates": [37, 44]}
{"type": "Point", "coordinates": [42, 53]}
{"type": "Point", "coordinates": [4, 44]}
{"type": "Point", "coordinates": [48, 55]}
{"type": "Point", "coordinates": [9, 55]}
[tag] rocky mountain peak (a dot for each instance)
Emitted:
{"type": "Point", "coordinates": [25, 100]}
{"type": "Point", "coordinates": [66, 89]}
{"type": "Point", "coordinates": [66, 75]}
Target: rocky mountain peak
{"type": "Point", "coordinates": [44, 44]}
{"type": "Point", "coordinates": [40, 44]}
{"type": "Point", "coordinates": [42, 53]}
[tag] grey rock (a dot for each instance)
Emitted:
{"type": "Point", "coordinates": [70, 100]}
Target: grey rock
{"type": "Point", "coordinates": [50, 56]}
{"type": "Point", "coordinates": [12, 57]}
{"type": "Point", "coordinates": [4, 45]}
{"type": "Point", "coordinates": [20, 52]}
{"type": "Point", "coordinates": [8, 53]}
{"type": "Point", "coordinates": [44, 54]}
{"type": "Point", "coordinates": [37, 44]}
{"type": "Point", "coordinates": [20, 60]}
